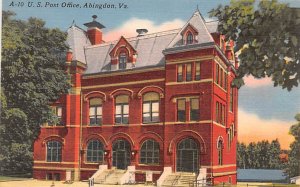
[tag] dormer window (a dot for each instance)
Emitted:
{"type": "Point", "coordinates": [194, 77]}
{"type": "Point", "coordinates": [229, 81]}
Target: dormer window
{"type": "Point", "coordinates": [189, 35]}
{"type": "Point", "coordinates": [122, 60]}
{"type": "Point", "coordinates": [189, 38]}
{"type": "Point", "coordinates": [123, 55]}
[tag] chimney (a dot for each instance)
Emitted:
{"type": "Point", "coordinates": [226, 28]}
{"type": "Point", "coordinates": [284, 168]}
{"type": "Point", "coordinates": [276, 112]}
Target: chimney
{"type": "Point", "coordinates": [94, 31]}
{"type": "Point", "coordinates": [141, 32]}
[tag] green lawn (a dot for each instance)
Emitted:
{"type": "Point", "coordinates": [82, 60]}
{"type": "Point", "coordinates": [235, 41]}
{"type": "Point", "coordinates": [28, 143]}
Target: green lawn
{"type": "Point", "coordinates": [8, 178]}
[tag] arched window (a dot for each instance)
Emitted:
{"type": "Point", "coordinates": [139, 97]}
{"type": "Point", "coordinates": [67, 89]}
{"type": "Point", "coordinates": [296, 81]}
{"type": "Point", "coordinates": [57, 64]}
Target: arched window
{"type": "Point", "coordinates": [151, 107]}
{"type": "Point", "coordinates": [122, 109]}
{"type": "Point", "coordinates": [220, 152]}
{"type": "Point", "coordinates": [122, 60]}
{"type": "Point", "coordinates": [94, 151]}
{"type": "Point", "coordinates": [95, 111]}
{"type": "Point", "coordinates": [149, 152]}
{"type": "Point", "coordinates": [54, 151]}
{"type": "Point", "coordinates": [187, 156]}
{"type": "Point", "coordinates": [189, 38]}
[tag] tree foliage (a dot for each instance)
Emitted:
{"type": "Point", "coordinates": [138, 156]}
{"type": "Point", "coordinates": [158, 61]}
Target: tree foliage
{"type": "Point", "coordinates": [294, 155]}
{"type": "Point", "coordinates": [267, 39]}
{"type": "Point", "coordinates": [33, 75]}
{"type": "Point", "coordinates": [260, 155]}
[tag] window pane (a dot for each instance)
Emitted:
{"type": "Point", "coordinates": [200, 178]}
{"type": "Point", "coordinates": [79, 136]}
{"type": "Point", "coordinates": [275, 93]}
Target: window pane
{"type": "Point", "coordinates": [59, 111]}
{"type": "Point", "coordinates": [92, 111]}
{"type": "Point", "coordinates": [181, 116]}
{"type": "Point", "coordinates": [125, 109]}
{"type": "Point", "coordinates": [195, 115]}
{"type": "Point", "coordinates": [118, 109]}
{"type": "Point", "coordinates": [188, 72]}
{"type": "Point", "coordinates": [92, 120]}
{"type": "Point", "coordinates": [125, 119]}
{"type": "Point", "coordinates": [194, 103]}
{"type": "Point", "coordinates": [155, 106]}
{"type": "Point", "coordinates": [99, 110]}
{"type": "Point", "coordinates": [179, 73]}
{"type": "Point", "coordinates": [181, 104]}
{"type": "Point", "coordinates": [155, 117]}
{"type": "Point", "coordinates": [197, 76]}
{"type": "Point", "coordinates": [146, 107]}
{"type": "Point", "coordinates": [118, 119]}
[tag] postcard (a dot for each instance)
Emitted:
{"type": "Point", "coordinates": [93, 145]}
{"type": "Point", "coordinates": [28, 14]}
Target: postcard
{"type": "Point", "coordinates": [161, 93]}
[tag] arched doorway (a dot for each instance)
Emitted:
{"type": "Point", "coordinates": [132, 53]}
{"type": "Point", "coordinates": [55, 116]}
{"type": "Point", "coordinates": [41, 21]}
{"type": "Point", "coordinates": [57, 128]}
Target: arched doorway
{"type": "Point", "coordinates": [121, 154]}
{"type": "Point", "coordinates": [187, 156]}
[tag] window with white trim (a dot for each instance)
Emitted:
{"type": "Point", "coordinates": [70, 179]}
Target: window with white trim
{"type": "Point", "coordinates": [94, 151]}
{"type": "Point", "coordinates": [151, 107]}
{"type": "Point", "coordinates": [122, 109]}
{"type": "Point", "coordinates": [95, 112]}
{"type": "Point", "coordinates": [54, 151]}
{"type": "Point", "coordinates": [149, 152]}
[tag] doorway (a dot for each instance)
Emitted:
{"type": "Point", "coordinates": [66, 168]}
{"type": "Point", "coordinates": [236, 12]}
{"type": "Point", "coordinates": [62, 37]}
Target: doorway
{"type": "Point", "coordinates": [187, 157]}
{"type": "Point", "coordinates": [121, 154]}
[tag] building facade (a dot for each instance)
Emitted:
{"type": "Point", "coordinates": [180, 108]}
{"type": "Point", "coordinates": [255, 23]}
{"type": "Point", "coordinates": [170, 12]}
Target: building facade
{"type": "Point", "coordinates": [155, 101]}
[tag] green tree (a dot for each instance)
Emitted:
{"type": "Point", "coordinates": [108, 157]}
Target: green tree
{"type": "Point", "coordinates": [273, 154]}
{"type": "Point", "coordinates": [294, 154]}
{"type": "Point", "coordinates": [242, 156]}
{"type": "Point", "coordinates": [266, 37]}
{"type": "Point", "coordinates": [33, 75]}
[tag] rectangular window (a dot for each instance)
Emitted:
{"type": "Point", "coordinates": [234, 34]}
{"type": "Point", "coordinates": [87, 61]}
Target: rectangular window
{"type": "Point", "coordinates": [197, 71]}
{"type": "Point", "coordinates": [95, 112]}
{"type": "Point", "coordinates": [223, 115]}
{"type": "Point", "coordinates": [194, 109]}
{"type": "Point", "coordinates": [57, 110]}
{"type": "Point", "coordinates": [179, 73]}
{"type": "Point", "coordinates": [188, 72]}
{"type": "Point", "coordinates": [217, 73]}
{"type": "Point", "coordinates": [217, 112]}
{"type": "Point", "coordinates": [95, 115]}
{"type": "Point", "coordinates": [122, 113]}
{"type": "Point", "coordinates": [150, 111]}
{"type": "Point", "coordinates": [231, 99]}
{"type": "Point", "coordinates": [221, 78]}
{"type": "Point", "coordinates": [181, 110]}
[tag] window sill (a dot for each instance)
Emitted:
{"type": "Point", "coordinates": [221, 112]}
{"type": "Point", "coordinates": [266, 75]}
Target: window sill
{"type": "Point", "coordinates": [149, 165]}
{"type": "Point", "coordinates": [151, 123]}
{"type": "Point", "coordinates": [56, 162]}
{"type": "Point", "coordinates": [120, 125]}
{"type": "Point", "coordinates": [92, 163]}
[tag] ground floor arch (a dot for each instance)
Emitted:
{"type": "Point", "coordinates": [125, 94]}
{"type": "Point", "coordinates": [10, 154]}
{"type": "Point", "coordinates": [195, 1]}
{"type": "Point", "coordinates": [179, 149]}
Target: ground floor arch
{"type": "Point", "coordinates": [187, 155]}
{"type": "Point", "coordinates": [121, 154]}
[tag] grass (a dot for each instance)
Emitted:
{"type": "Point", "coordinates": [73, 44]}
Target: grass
{"type": "Point", "coordinates": [13, 178]}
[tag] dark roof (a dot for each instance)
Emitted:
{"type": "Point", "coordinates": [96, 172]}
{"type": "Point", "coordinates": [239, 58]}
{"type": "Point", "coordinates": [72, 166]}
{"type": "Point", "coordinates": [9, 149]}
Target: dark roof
{"type": "Point", "coordinates": [149, 47]}
{"type": "Point", "coordinates": [260, 175]}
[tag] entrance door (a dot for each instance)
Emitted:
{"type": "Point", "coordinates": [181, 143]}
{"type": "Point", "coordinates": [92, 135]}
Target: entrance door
{"type": "Point", "coordinates": [121, 154]}
{"type": "Point", "coordinates": [187, 156]}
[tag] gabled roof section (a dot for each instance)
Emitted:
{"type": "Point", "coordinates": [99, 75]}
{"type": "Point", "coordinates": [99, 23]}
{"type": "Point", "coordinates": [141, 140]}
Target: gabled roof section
{"type": "Point", "coordinates": [77, 41]}
{"type": "Point", "coordinates": [189, 26]}
{"type": "Point", "coordinates": [148, 47]}
{"type": "Point", "coordinates": [198, 23]}
{"type": "Point", "coordinates": [121, 43]}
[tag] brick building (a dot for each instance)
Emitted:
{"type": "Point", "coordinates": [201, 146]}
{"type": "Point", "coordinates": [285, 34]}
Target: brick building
{"type": "Point", "coordinates": [150, 107]}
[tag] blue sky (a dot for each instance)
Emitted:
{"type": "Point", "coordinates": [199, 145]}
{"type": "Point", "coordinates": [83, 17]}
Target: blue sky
{"type": "Point", "coordinates": [258, 99]}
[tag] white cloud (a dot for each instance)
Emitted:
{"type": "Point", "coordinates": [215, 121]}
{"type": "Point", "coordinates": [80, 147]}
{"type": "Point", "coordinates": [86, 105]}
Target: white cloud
{"type": "Point", "coordinates": [252, 82]}
{"type": "Point", "coordinates": [253, 128]}
{"type": "Point", "coordinates": [128, 29]}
